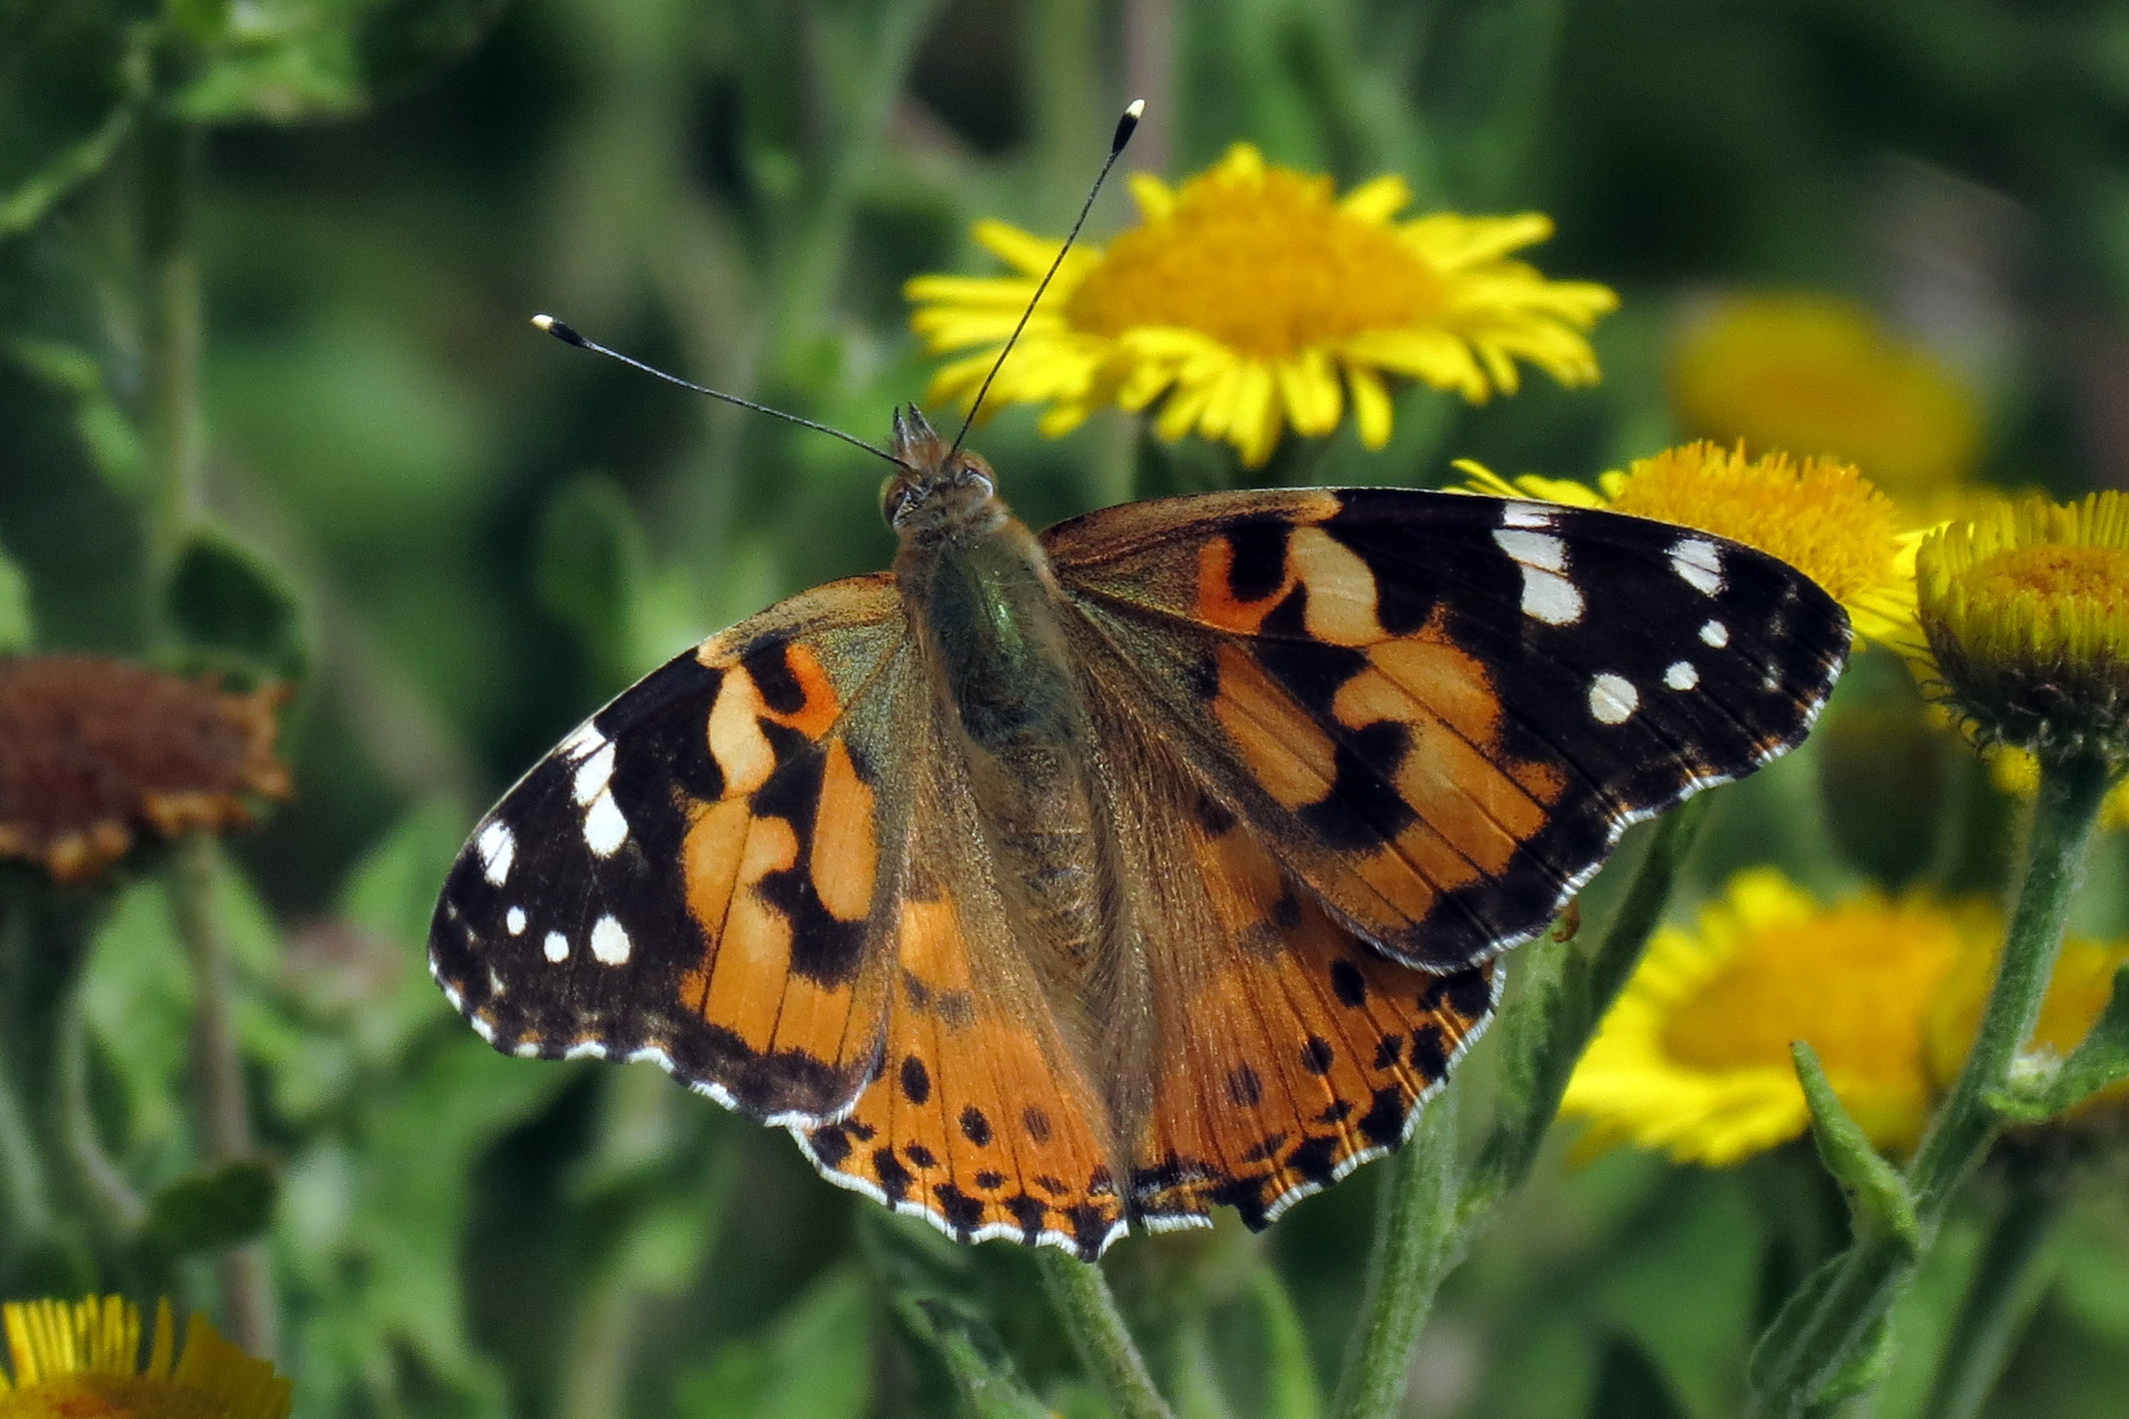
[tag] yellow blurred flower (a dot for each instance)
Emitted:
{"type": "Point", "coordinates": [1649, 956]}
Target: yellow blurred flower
{"type": "Point", "coordinates": [82, 1361]}
{"type": "Point", "coordinates": [1252, 299]}
{"type": "Point", "coordinates": [1818, 515]}
{"type": "Point", "coordinates": [2025, 608]}
{"type": "Point", "coordinates": [1822, 375]}
{"type": "Point", "coordinates": [1693, 1058]}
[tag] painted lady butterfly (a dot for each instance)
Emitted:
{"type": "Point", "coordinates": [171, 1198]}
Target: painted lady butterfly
{"type": "Point", "coordinates": [1052, 885]}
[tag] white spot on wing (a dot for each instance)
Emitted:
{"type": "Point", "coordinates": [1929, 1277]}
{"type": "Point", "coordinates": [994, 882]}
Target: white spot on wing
{"type": "Point", "coordinates": [1534, 549]}
{"type": "Point", "coordinates": [583, 740]}
{"type": "Point", "coordinates": [1550, 597]}
{"type": "Point", "coordinates": [556, 946]}
{"type": "Point", "coordinates": [1525, 515]}
{"type": "Point", "coordinates": [609, 941]}
{"type": "Point", "coordinates": [1716, 634]}
{"type": "Point", "coordinates": [1613, 699]}
{"type": "Point", "coordinates": [604, 827]}
{"type": "Point", "coordinates": [1699, 562]}
{"type": "Point", "coordinates": [593, 774]}
{"type": "Point", "coordinates": [498, 849]}
{"type": "Point", "coordinates": [1682, 675]}
{"type": "Point", "coordinates": [515, 920]}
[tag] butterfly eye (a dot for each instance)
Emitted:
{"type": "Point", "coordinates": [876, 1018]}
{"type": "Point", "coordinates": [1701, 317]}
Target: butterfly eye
{"type": "Point", "coordinates": [973, 479]}
{"type": "Point", "coordinates": [893, 495]}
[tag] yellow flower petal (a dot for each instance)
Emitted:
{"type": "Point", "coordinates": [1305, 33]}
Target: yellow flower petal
{"type": "Point", "coordinates": [1377, 200]}
{"type": "Point", "coordinates": [1029, 253]}
{"type": "Point", "coordinates": [1371, 405]}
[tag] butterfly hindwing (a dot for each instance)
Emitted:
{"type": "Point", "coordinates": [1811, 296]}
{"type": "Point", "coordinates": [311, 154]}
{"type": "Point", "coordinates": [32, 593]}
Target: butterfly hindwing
{"type": "Point", "coordinates": [695, 876]}
{"type": "Point", "coordinates": [1288, 1051]}
{"type": "Point", "coordinates": [985, 1118]}
{"type": "Point", "coordinates": [1439, 710]}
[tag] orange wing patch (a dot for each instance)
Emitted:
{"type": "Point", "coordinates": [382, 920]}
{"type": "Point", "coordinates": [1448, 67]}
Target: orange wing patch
{"type": "Point", "coordinates": [977, 1118]}
{"type": "Point", "coordinates": [1290, 1052]}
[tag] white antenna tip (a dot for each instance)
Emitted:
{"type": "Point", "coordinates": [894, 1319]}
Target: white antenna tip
{"type": "Point", "coordinates": [543, 321]}
{"type": "Point", "coordinates": [1136, 108]}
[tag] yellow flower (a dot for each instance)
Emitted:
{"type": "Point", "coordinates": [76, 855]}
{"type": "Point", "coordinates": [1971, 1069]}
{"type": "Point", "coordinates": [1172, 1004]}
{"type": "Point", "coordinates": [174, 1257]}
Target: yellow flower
{"type": "Point", "coordinates": [82, 1361]}
{"type": "Point", "coordinates": [1252, 299]}
{"type": "Point", "coordinates": [1822, 375]}
{"type": "Point", "coordinates": [1694, 1056]}
{"type": "Point", "coordinates": [1819, 515]}
{"type": "Point", "coordinates": [2018, 773]}
{"type": "Point", "coordinates": [2026, 612]}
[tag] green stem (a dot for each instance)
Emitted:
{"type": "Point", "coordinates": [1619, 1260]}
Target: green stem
{"type": "Point", "coordinates": [1820, 1353]}
{"type": "Point", "coordinates": [218, 1075]}
{"type": "Point", "coordinates": [1432, 1210]}
{"type": "Point", "coordinates": [2006, 1285]}
{"type": "Point", "coordinates": [1103, 1342]}
{"type": "Point", "coordinates": [170, 346]}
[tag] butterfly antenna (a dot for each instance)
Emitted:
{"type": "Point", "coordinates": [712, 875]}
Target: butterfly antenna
{"type": "Point", "coordinates": [1125, 127]}
{"type": "Point", "coordinates": [567, 334]}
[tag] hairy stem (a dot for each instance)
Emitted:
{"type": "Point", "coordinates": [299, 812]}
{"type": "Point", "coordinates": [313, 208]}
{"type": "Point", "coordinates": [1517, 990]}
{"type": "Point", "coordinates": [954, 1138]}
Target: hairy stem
{"type": "Point", "coordinates": [218, 1076]}
{"type": "Point", "coordinates": [2006, 1285]}
{"type": "Point", "coordinates": [1432, 1208]}
{"type": "Point", "coordinates": [1081, 1296]}
{"type": "Point", "coordinates": [1819, 1354]}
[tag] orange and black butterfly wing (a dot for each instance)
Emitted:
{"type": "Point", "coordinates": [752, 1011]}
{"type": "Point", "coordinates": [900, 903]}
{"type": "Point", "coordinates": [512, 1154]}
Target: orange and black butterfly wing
{"type": "Point", "coordinates": [696, 876]}
{"type": "Point", "coordinates": [1287, 1051]}
{"type": "Point", "coordinates": [983, 1118]}
{"type": "Point", "coordinates": [1441, 711]}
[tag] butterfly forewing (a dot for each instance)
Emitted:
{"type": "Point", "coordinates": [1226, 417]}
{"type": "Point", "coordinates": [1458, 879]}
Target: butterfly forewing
{"type": "Point", "coordinates": [695, 875]}
{"type": "Point", "coordinates": [1441, 711]}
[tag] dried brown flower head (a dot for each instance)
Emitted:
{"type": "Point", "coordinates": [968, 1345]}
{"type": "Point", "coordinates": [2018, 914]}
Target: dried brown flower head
{"type": "Point", "coordinates": [94, 752]}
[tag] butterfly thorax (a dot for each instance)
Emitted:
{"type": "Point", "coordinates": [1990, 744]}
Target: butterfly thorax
{"type": "Point", "coordinates": [990, 624]}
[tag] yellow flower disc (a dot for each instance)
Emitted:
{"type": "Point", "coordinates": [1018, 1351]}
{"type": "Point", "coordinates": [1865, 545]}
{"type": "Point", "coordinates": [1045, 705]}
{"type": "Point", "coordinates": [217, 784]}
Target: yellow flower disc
{"type": "Point", "coordinates": [82, 1361]}
{"type": "Point", "coordinates": [1820, 374]}
{"type": "Point", "coordinates": [2026, 611]}
{"type": "Point", "coordinates": [1694, 1056]}
{"type": "Point", "coordinates": [1252, 300]}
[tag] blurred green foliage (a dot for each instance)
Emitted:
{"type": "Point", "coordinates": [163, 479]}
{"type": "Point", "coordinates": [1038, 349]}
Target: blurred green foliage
{"type": "Point", "coordinates": [461, 538]}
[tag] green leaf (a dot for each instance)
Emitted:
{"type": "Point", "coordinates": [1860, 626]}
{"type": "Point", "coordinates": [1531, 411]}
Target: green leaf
{"type": "Point", "coordinates": [233, 609]}
{"type": "Point", "coordinates": [1877, 1197]}
{"type": "Point", "coordinates": [17, 627]}
{"type": "Point", "coordinates": [108, 436]}
{"type": "Point", "coordinates": [930, 1285]}
{"type": "Point", "coordinates": [1293, 1391]}
{"type": "Point", "coordinates": [288, 60]}
{"type": "Point", "coordinates": [811, 1363]}
{"type": "Point", "coordinates": [71, 75]}
{"type": "Point", "coordinates": [212, 1209]}
{"type": "Point", "coordinates": [2100, 1061]}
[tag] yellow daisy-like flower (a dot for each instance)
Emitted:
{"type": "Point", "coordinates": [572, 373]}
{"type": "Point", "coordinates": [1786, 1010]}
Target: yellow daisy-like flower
{"type": "Point", "coordinates": [1693, 1058]}
{"type": "Point", "coordinates": [2026, 613]}
{"type": "Point", "coordinates": [82, 1361]}
{"type": "Point", "coordinates": [1824, 375]}
{"type": "Point", "coordinates": [1817, 514]}
{"type": "Point", "coordinates": [1253, 299]}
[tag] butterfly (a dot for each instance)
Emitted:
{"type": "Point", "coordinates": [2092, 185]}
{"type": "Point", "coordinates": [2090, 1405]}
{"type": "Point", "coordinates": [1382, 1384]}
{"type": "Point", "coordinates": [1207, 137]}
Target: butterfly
{"type": "Point", "coordinates": [1053, 886]}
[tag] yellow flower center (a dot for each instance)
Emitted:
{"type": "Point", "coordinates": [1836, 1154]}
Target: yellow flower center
{"type": "Point", "coordinates": [1265, 263]}
{"type": "Point", "coordinates": [1853, 980]}
{"type": "Point", "coordinates": [2096, 577]}
{"type": "Point", "coordinates": [1818, 515]}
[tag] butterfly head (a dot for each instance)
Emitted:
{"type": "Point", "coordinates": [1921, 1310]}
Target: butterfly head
{"type": "Point", "coordinates": [940, 492]}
